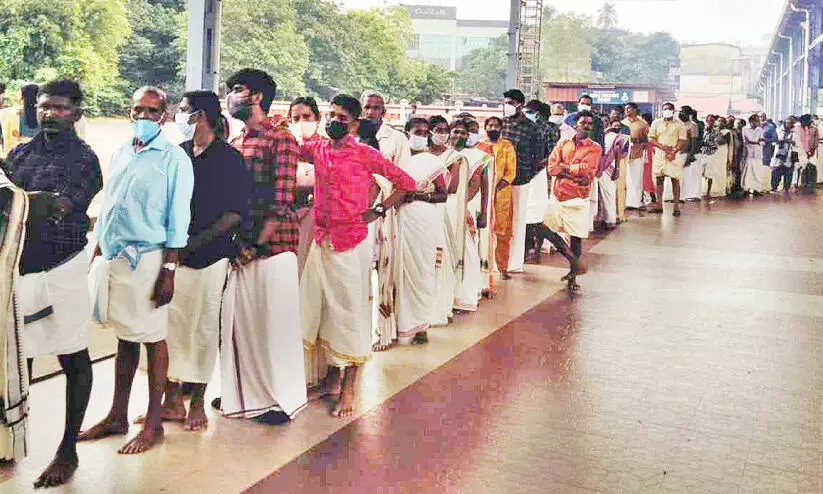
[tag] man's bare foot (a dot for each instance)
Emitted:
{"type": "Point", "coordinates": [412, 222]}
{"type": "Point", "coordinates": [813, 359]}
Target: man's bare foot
{"type": "Point", "coordinates": [377, 347]}
{"type": "Point", "coordinates": [105, 428]}
{"type": "Point", "coordinates": [142, 442]}
{"type": "Point", "coordinates": [420, 338]}
{"type": "Point", "coordinates": [345, 405]}
{"type": "Point", "coordinates": [505, 275]}
{"type": "Point", "coordinates": [59, 471]}
{"type": "Point", "coordinates": [197, 419]}
{"type": "Point", "coordinates": [170, 412]}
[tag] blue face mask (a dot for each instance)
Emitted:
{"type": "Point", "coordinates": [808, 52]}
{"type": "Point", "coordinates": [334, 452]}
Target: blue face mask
{"type": "Point", "coordinates": [531, 116]}
{"type": "Point", "coordinates": [146, 130]}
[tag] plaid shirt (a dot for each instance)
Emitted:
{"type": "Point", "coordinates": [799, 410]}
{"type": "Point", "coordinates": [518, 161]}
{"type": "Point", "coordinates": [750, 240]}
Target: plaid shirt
{"type": "Point", "coordinates": [529, 140]}
{"type": "Point", "coordinates": [68, 166]}
{"type": "Point", "coordinates": [271, 155]}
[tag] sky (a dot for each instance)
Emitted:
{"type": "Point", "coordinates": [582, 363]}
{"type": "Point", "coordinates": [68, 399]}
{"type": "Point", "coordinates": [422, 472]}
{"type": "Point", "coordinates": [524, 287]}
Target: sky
{"type": "Point", "coordinates": [743, 22]}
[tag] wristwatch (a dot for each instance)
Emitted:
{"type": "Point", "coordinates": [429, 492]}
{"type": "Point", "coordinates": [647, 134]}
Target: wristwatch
{"type": "Point", "coordinates": [380, 210]}
{"type": "Point", "coordinates": [169, 266]}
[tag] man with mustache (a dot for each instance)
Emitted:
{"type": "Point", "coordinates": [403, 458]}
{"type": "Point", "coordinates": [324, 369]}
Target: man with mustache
{"type": "Point", "coordinates": [61, 174]}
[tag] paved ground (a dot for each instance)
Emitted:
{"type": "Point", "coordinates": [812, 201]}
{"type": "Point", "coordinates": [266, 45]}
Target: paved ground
{"type": "Point", "coordinates": [689, 363]}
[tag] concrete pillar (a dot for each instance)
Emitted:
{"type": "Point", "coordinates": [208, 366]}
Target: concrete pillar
{"type": "Point", "coordinates": [514, 29]}
{"type": "Point", "coordinates": [203, 45]}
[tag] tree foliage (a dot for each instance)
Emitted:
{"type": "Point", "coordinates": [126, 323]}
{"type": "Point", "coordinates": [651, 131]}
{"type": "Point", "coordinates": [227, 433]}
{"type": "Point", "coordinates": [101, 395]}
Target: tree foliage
{"type": "Point", "coordinates": [79, 39]}
{"type": "Point", "coordinates": [484, 70]}
{"type": "Point", "coordinates": [567, 45]}
{"type": "Point", "coordinates": [607, 17]}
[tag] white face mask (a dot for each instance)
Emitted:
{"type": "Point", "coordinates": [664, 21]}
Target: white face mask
{"type": "Point", "coordinates": [473, 139]}
{"type": "Point", "coordinates": [303, 129]}
{"type": "Point", "coordinates": [556, 119]}
{"type": "Point", "coordinates": [582, 107]}
{"type": "Point", "coordinates": [668, 113]}
{"type": "Point", "coordinates": [509, 110]}
{"type": "Point", "coordinates": [181, 120]}
{"type": "Point", "coordinates": [531, 116]}
{"type": "Point", "coordinates": [418, 143]}
{"type": "Point", "coordinates": [440, 139]}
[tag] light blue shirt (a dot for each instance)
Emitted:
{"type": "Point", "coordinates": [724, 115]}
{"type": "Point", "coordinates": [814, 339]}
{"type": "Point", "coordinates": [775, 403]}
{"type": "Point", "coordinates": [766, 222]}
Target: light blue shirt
{"type": "Point", "coordinates": [146, 200]}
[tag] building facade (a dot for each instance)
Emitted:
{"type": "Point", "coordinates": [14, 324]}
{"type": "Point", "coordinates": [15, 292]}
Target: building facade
{"type": "Point", "coordinates": [443, 39]}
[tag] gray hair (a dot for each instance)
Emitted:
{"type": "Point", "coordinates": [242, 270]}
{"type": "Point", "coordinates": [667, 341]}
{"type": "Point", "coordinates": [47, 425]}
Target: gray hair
{"type": "Point", "coordinates": [371, 94]}
{"type": "Point", "coordinates": [154, 91]}
{"type": "Point", "coordinates": [556, 106]}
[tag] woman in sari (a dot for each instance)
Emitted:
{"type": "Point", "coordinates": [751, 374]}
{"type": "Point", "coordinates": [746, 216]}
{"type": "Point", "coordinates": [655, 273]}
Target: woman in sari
{"type": "Point", "coordinates": [717, 149]}
{"type": "Point", "coordinates": [464, 212]}
{"type": "Point", "coordinates": [13, 378]}
{"type": "Point", "coordinates": [420, 237]}
{"type": "Point", "coordinates": [446, 276]}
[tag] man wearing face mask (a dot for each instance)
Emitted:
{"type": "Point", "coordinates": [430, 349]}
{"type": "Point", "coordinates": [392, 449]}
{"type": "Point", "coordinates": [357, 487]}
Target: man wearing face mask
{"type": "Point", "coordinates": [573, 164]}
{"type": "Point", "coordinates": [668, 137]}
{"type": "Point", "coordinates": [61, 174]}
{"type": "Point", "coordinates": [270, 152]}
{"type": "Point", "coordinates": [143, 224]}
{"type": "Point", "coordinates": [394, 146]}
{"type": "Point", "coordinates": [539, 113]}
{"type": "Point", "coordinates": [598, 129]}
{"type": "Point", "coordinates": [334, 287]}
{"type": "Point", "coordinates": [530, 146]}
{"type": "Point", "coordinates": [222, 190]}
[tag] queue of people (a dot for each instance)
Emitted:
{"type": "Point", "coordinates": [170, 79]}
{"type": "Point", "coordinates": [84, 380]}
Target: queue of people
{"type": "Point", "coordinates": [295, 249]}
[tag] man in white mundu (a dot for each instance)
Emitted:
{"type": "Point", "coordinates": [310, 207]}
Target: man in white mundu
{"type": "Point", "coordinates": [62, 174]}
{"type": "Point", "coordinates": [334, 287]}
{"type": "Point", "coordinates": [637, 152]}
{"type": "Point", "coordinates": [143, 223]}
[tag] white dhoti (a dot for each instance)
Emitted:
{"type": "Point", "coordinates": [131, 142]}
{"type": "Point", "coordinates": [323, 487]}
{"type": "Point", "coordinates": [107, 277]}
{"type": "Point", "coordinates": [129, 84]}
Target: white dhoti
{"type": "Point", "coordinates": [571, 217]}
{"type": "Point", "coordinates": [594, 203]}
{"type": "Point", "coordinates": [716, 171]}
{"type": "Point", "coordinates": [55, 305]}
{"type": "Point", "coordinates": [468, 289]}
{"type": "Point", "coordinates": [538, 198]}
{"type": "Point", "coordinates": [692, 185]}
{"type": "Point", "coordinates": [634, 183]}
{"type": "Point", "coordinates": [607, 200]}
{"type": "Point", "coordinates": [335, 310]}
{"type": "Point", "coordinates": [520, 216]}
{"type": "Point", "coordinates": [131, 312]}
{"type": "Point", "coordinates": [261, 352]}
{"type": "Point", "coordinates": [306, 233]}
{"type": "Point", "coordinates": [419, 236]}
{"type": "Point", "coordinates": [753, 175]}
{"type": "Point", "coordinates": [194, 322]}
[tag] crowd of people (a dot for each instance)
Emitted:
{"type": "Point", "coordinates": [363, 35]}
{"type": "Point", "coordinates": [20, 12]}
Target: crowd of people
{"type": "Point", "coordinates": [305, 242]}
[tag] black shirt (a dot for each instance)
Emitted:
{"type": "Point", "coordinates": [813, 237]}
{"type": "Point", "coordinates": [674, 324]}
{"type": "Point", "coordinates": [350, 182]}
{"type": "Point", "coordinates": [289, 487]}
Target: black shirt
{"type": "Point", "coordinates": [65, 165]}
{"type": "Point", "coordinates": [222, 184]}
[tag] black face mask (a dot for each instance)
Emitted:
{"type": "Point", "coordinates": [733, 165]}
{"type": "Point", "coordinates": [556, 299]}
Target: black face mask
{"type": "Point", "coordinates": [494, 135]}
{"type": "Point", "coordinates": [368, 129]}
{"type": "Point", "coordinates": [337, 129]}
{"type": "Point", "coordinates": [684, 117]}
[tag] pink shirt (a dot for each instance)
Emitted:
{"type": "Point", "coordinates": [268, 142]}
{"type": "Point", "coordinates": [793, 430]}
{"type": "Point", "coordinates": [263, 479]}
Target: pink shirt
{"type": "Point", "coordinates": [343, 177]}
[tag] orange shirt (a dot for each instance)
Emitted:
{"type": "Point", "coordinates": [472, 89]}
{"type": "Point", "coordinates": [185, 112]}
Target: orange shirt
{"type": "Point", "coordinates": [578, 159]}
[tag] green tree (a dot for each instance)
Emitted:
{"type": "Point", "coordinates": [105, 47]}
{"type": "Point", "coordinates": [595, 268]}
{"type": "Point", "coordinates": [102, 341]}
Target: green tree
{"type": "Point", "coordinates": [153, 53]}
{"type": "Point", "coordinates": [263, 35]}
{"type": "Point", "coordinates": [625, 57]}
{"type": "Point", "coordinates": [79, 39]}
{"type": "Point", "coordinates": [483, 72]}
{"type": "Point", "coordinates": [567, 43]}
{"type": "Point", "coordinates": [607, 16]}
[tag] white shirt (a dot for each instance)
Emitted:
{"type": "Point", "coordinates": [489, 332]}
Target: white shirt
{"type": "Point", "coordinates": [393, 144]}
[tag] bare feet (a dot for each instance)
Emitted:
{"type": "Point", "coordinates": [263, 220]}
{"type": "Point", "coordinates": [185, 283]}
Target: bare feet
{"type": "Point", "coordinates": [142, 442]}
{"type": "Point", "coordinates": [170, 412]}
{"type": "Point", "coordinates": [105, 428]}
{"type": "Point", "coordinates": [377, 347]}
{"type": "Point", "coordinates": [345, 405]}
{"type": "Point", "coordinates": [59, 471]}
{"type": "Point", "coordinates": [420, 338]}
{"type": "Point", "coordinates": [505, 275]}
{"type": "Point", "coordinates": [197, 419]}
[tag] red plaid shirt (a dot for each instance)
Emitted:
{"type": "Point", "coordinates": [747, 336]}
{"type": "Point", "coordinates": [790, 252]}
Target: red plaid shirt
{"type": "Point", "coordinates": [271, 155]}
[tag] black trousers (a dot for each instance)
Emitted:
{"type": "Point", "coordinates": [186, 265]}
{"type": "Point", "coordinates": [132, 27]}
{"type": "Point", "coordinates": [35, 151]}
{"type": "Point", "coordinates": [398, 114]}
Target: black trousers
{"type": "Point", "coordinates": [782, 172]}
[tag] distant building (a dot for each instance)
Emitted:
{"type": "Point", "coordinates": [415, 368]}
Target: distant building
{"type": "Point", "coordinates": [719, 77]}
{"type": "Point", "coordinates": [443, 39]}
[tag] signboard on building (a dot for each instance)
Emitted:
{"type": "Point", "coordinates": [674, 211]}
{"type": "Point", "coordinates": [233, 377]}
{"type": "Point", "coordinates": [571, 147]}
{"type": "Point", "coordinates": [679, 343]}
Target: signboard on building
{"type": "Point", "coordinates": [608, 96]}
{"type": "Point", "coordinates": [432, 12]}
